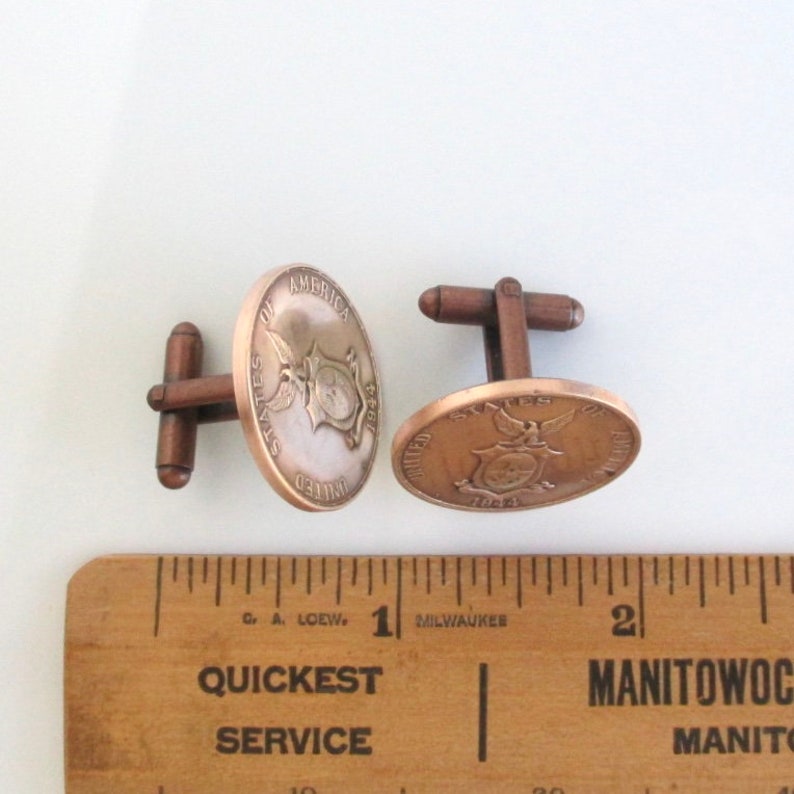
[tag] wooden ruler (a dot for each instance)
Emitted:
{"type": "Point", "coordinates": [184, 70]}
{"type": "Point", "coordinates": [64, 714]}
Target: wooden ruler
{"type": "Point", "coordinates": [546, 675]}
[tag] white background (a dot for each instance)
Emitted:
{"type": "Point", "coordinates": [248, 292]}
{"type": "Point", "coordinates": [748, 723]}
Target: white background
{"type": "Point", "coordinates": [157, 157]}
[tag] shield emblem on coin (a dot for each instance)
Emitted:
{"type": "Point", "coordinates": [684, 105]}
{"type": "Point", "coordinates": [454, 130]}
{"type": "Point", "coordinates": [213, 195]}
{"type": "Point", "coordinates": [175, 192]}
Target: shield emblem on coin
{"type": "Point", "coordinates": [332, 390]}
{"type": "Point", "coordinates": [333, 396]}
{"type": "Point", "coordinates": [509, 467]}
{"type": "Point", "coordinates": [504, 468]}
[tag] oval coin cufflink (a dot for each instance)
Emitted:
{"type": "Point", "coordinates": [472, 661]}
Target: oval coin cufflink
{"type": "Point", "coordinates": [515, 442]}
{"type": "Point", "coordinates": [304, 386]}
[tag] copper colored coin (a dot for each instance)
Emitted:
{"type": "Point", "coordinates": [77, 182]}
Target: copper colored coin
{"type": "Point", "coordinates": [306, 387]}
{"type": "Point", "coordinates": [513, 445]}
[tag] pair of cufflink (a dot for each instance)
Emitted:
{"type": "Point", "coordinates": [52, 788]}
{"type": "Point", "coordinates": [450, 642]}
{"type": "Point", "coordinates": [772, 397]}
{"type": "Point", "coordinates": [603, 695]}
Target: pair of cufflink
{"type": "Point", "coordinates": [305, 388]}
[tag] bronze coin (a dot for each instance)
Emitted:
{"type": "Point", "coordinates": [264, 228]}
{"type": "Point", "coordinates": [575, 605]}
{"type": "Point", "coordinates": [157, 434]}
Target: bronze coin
{"type": "Point", "coordinates": [306, 387]}
{"type": "Point", "coordinates": [513, 445]}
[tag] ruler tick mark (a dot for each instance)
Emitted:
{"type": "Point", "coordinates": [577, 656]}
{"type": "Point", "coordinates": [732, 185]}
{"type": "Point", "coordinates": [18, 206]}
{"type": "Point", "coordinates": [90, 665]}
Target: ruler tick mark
{"type": "Point", "coordinates": [610, 583]}
{"type": "Point", "coordinates": [534, 571]}
{"type": "Point", "coordinates": [175, 569]}
{"type": "Point", "coordinates": [278, 583]}
{"type": "Point", "coordinates": [482, 744]}
{"type": "Point", "coordinates": [458, 582]}
{"type": "Point", "coordinates": [218, 582]}
{"type": "Point", "coordinates": [762, 590]}
{"type": "Point", "coordinates": [338, 581]}
{"type": "Point", "coordinates": [309, 576]}
{"type": "Point", "coordinates": [565, 572]}
{"type": "Point", "coordinates": [580, 581]}
{"type": "Point", "coordinates": [549, 580]}
{"type": "Point", "coordinates": [702, 580]}
{"type": "Point", "coordinates": [234, 570]}
{"type": "Point", "coordinates": [791, 572]}
{"type": "Point", "coordinates": [641, 589]}
{"type": "Point", "coordinates": [488, 575]}
{"type": "Point", "coordinates": [746, 571]}
{"type": "Point", "coordinates": [190, 574]}
{"type": "Point", "coordinates": [205, 570]}
{"type": "Point", "coordinates": [519, 584]}
{"type": "Point", "coordinates": [248, 576]}
{"type": "Point", "coordinates": [731, 576]}
{"type": "Point", "coordinates": [158, 596]}
{"type": "Point", "coordinates": [399, 600]}
{"type": "Point", "coordinates": [671, 574]}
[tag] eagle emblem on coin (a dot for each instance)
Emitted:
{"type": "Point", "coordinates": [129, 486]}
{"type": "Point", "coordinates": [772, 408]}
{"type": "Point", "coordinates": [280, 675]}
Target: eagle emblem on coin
{"type": "Point", "coordinates": [331, 391]}
{"type": "Point", "coordinates": [515, 465]}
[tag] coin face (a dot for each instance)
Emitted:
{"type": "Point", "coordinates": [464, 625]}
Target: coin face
{"type": "Point", "coordinates": [513, 445]}
{"type": "Point", "coordinates": [306, 387]}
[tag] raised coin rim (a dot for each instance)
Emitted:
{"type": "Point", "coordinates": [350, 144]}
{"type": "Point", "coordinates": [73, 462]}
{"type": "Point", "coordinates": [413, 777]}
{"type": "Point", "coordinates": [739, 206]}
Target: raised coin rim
{"type": "Point", "coordinates": [552, 387]}
{"type": "Point", "coordinates": [243, 333]}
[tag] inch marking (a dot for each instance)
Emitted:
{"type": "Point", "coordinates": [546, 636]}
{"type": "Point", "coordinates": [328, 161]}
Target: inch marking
{"type": "Point", "coordinates": [465, 579]}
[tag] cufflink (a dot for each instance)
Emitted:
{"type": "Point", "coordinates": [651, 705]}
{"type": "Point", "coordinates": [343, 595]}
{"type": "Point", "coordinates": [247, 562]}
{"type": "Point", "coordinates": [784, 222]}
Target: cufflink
{"type": "Point", "coordinates": [516, 442]}
{"type": "Point", "coordinates": [304, 386]}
